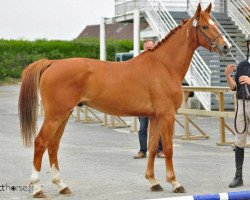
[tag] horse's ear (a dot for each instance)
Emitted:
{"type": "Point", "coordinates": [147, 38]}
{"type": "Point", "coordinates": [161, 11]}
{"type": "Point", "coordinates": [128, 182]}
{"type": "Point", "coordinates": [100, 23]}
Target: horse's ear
{"type": "Point", "coordinates": [209, 8]}
{"type": "Point", "coordinates": [198, 11]}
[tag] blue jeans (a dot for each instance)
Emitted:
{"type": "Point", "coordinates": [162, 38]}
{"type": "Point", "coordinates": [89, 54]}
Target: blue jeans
{"type": "Point", "coordinates": [143, 135]}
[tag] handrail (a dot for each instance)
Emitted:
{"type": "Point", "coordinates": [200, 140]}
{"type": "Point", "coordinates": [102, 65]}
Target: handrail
{"type": "Point", "coordinates": [243, 7]}
{"type": "Point", "coordinates": [247, 32]}
{"type": "Point", "coordinates": [240, 13]}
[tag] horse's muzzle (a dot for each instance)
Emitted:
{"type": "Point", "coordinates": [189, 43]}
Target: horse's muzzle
{"type": "Point", "coordinates": [225, 48]}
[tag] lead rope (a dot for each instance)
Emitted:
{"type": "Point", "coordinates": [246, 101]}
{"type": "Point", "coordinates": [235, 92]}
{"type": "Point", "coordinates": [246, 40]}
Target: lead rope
{"type": "Point", "coordinates": [244, 113]}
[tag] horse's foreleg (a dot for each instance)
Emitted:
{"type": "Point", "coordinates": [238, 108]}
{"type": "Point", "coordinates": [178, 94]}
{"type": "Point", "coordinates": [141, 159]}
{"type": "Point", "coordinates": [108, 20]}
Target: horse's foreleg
{"type": "Point", "coordinates": [41, 143]}
{"type": "Point", "coordinates": [166, 130]}
{"type": "Point", "coordinates": [154, 137]}
{"type": "Point", "coordinates": [53, 151]}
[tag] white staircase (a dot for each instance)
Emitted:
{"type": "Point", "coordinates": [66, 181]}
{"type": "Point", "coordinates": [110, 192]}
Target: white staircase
{"type": "Point", "coordinates": [239, 11]}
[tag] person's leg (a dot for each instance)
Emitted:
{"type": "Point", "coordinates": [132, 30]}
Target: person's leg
{"type": "Point", "coordinates": [143, 134]}
{"type": "Point", "coordinates": [160, 146]}
{"type": "Point", "coordinates": [239, 158]}
{"type": "Point", "coordinates": [160, 153]}
{"type": "Point", "coordinates": [143, 137]}
{"type": "Point", "coordinates": [240, 142]}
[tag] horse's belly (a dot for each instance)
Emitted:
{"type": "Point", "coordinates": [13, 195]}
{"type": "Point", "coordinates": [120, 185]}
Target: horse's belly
{"type": "Point", "coordinates": [122, 108]}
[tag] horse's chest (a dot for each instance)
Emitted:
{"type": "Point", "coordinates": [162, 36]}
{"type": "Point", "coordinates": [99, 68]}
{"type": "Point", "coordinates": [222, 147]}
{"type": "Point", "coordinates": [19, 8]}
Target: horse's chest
{"type": "Point", "coordinates": [174, 96]}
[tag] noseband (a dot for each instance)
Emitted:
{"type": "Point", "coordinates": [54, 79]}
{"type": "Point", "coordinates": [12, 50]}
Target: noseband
{"type": "Point", "coordinates": [212, 43]}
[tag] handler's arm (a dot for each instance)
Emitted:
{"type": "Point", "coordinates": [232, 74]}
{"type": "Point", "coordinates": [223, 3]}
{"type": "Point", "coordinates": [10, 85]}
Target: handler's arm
{"type": "Point", "coordinates": [230, 81]}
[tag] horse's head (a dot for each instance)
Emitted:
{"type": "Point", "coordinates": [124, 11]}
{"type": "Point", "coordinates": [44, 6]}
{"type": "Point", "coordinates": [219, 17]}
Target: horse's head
{"type": "Point", "coordinates": [207, 32]}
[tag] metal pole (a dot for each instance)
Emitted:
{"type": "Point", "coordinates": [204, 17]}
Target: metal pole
{"type": "Point", "coordinates": [136, 48]}
{"type": "Point", "coordinates": [225, 7]}
{"type": "Point", "coordinates": [103, 54]}
{"type": "Point", "coordinates": [136, 32]}
{"type": "Point", "coordinates": [102, 40]}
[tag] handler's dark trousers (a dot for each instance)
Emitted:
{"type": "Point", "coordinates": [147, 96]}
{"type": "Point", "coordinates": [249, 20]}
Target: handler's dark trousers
{"type": "Point", "coordinates": [143, 135]}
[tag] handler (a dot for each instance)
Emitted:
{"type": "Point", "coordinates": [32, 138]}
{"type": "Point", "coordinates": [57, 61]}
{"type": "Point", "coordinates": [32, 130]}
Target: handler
{"type": "Point", "coordinates": [240, 83]}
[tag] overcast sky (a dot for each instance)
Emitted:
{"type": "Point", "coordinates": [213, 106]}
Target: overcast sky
{"type": "Point", "coordinates": [50, 19]}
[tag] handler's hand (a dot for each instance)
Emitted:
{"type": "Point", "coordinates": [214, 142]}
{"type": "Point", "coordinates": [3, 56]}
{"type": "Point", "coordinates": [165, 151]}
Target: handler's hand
{"type": "Point", "coordinates": [229, 69]}
{"type": "Point", "coordinates": [244, 80]}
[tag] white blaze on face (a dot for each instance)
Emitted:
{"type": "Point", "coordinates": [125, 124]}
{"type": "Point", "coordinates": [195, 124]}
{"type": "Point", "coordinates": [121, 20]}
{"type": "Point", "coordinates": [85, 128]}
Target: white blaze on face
{"type": "Point", "coordinates": [211, 22]}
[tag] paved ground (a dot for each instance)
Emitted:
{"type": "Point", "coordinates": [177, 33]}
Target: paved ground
{"type": "Point", "coordinates": [97, 162]}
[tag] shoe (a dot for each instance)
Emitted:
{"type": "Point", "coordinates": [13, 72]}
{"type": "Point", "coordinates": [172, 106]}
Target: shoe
{"type": "Point", "coordinates": [160, 154]}
{"type": "Point", "coordinates": [236, 182]}
{"type": "Point", "coordinates": [140, 155]}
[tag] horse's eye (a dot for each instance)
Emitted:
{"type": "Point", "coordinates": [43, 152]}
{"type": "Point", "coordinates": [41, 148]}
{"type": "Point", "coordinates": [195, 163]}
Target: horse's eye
{"type": "Point", "coordinates": [204, 26]}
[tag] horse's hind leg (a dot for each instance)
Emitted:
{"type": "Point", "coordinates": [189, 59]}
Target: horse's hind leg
{"type": "Point", "coordinates": [53, 151]}
{"type": "Point", "coordinates": [49, 127]}
{"type": "Point", "coordinates": [154, 137]}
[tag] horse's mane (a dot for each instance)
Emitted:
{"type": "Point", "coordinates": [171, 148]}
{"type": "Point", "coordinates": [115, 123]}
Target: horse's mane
{"type": "Point", "coordinates": [169, 34]}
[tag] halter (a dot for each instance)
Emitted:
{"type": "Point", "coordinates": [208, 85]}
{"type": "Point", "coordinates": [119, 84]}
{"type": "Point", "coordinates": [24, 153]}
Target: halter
{"type": "Point", "coordinates": [211, 43]}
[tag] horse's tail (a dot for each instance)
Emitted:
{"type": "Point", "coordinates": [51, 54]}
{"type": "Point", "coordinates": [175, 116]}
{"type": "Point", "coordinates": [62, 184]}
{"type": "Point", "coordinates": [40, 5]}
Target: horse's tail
{"type": "Point", "coordinates": [28, 99]}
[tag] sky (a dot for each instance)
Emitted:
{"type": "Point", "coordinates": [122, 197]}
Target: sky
{"type": "Point", "coordinates": [50, 19]}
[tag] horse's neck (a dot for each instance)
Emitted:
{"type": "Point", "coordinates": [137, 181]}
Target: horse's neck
{"type": "Point", "coordinates": [177, 51]}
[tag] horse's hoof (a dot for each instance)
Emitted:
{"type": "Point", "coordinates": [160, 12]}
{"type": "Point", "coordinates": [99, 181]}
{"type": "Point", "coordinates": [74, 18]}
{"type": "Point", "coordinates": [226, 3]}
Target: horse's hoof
{"type": "Point", "coordinates": [39, 194]}
{"type": "Point", "coordinates": [156, 188]}
{"type": "Point", "coordinates": [179, 190]}
{"type": "Point", "coordinates": [65, 191]}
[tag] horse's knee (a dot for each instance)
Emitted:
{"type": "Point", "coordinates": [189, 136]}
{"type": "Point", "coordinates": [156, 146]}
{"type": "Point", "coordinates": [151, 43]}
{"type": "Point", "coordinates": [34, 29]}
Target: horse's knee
{"type": "Point", "coordinates": [153, 153]}
{"type": "Point", "coordinates": [153, 149]}
{"type": "Point", "coordinates": [168, 152]}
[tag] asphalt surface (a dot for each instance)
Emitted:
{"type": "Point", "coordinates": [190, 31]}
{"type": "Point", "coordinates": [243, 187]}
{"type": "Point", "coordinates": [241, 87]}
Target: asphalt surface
{"type": "Point", "coordinates": [97, 162]}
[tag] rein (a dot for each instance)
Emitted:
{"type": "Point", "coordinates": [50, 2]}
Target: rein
{"type": "Point", "coordinates": [244, 110]}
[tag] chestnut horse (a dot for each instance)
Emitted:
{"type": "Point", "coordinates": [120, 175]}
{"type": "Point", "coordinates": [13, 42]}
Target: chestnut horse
{"type": "Point", "coordinates": [147, 85]}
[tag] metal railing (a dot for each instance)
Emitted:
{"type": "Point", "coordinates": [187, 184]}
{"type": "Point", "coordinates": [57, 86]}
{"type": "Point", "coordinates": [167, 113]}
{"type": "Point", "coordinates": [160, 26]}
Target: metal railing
{"type": "Point", "coordinates": [239, 11]}
{"type": "Point", "coordinates": [123, 7]}
{"type": "Point", "coordinates": [162, 22]}
{"type": "Point", "coordinates": [243, 8]}
{"type": "Point", "coordinates": [171, 5]}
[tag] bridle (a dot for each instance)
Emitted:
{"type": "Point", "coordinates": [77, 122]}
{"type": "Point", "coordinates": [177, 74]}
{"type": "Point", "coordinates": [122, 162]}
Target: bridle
{"type": "Point", "coordinates": [212, 43]}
